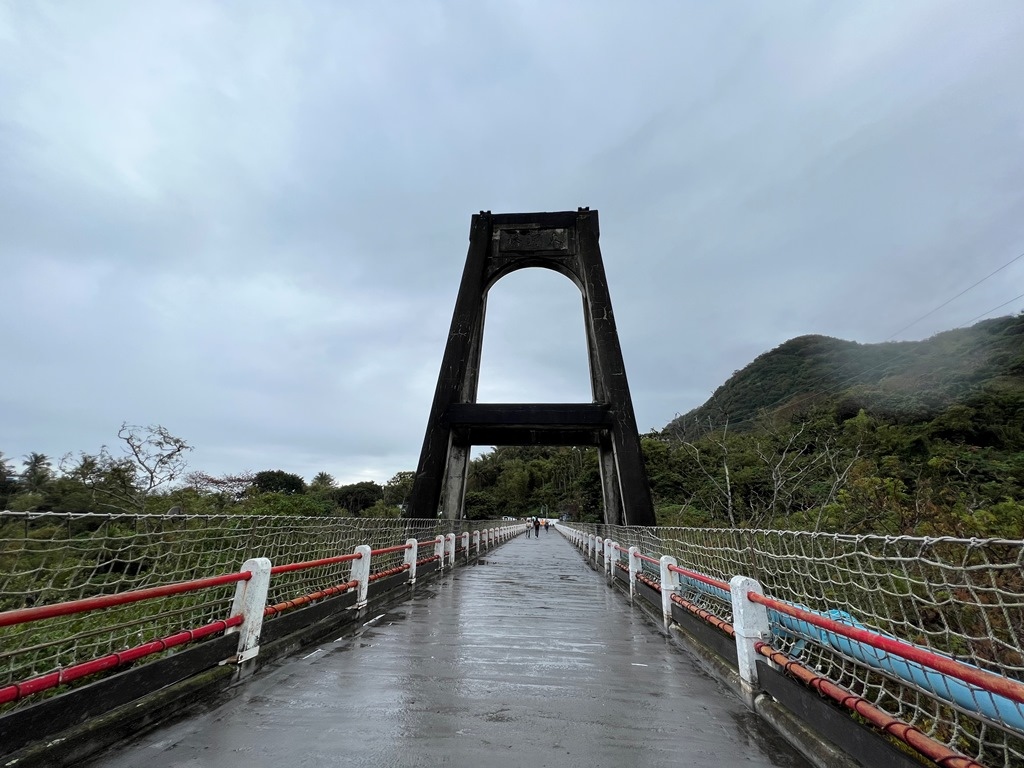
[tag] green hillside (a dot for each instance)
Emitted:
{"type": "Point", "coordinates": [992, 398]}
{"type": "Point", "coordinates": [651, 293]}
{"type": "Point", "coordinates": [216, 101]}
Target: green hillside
{"type": "Point", "coordinates": [921, 437]}
{"type": "Point", "coordinates": [904, 382]}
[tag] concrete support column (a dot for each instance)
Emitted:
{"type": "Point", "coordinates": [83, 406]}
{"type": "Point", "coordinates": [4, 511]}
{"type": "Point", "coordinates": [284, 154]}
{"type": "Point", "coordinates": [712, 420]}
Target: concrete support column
{"type": "Point", "coordinates": [361, 572]}
{"type": "Point", "coordinates": [669, 586]}
{"type": "Point", "coordinates": [634, 568]}
{"type": "Point", "coordinates": [250, 600]}
{"type": "Point", "coordinates": [411, 556]}
{"type": "Point", "coordinates": [750, 622]}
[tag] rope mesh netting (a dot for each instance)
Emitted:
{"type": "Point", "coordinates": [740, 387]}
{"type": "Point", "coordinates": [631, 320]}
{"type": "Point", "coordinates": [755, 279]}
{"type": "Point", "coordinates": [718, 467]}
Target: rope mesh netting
{"type": "Point", "coordinates": [962, 598]}
{"type": "Point", "coordinates": [54, 558]}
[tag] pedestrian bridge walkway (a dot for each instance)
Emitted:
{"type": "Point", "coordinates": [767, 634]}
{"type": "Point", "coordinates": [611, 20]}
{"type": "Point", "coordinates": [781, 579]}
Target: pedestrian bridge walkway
{"type": "Point", "coordinates": [234, 640]}
{"type": "Point", "coordinates": [525, 659]}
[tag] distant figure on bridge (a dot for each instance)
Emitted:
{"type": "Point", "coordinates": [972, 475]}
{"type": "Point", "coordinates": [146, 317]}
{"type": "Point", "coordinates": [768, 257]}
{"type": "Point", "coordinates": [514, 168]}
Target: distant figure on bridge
{"type": "Point", "coordinates": [536, 527]}
{"type": "Point", "coordinates": [545, 526]}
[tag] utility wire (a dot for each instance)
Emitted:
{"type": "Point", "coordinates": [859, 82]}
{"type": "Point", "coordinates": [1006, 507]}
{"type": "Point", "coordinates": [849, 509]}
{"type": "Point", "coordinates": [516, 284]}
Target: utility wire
{"type": "Point", "coordinates": [948, 301]}
{"type": "Point", "coordinates": [989, 312]}
{"type": "Point", "coordinates": [838, 385]}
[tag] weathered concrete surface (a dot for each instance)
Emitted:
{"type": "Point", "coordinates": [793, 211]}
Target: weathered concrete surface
{"type": "Point", "coordinates": [527, 659]}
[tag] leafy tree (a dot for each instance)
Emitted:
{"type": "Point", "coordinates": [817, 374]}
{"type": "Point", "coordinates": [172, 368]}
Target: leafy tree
{"type": "Point", "coordinates": [398, 488]}
{"type": "Point", "coordinates": [382, 509]}
{"type": "Point", "coordinates": [284, 503]}
{"type": "Point", "coordinates": [27, 502]}
{"type": "Point", "coordinates": [8, 481]}
{"type": "Point", "coordinates": [229, 487]}
{"type": "Point", "coordinates": [38, 471]}
{"type": "Point", "coordinates": [321, 482]}
{"type": "Point", "coordinates": [278, 481]}
{"type": "Point", "coordinates": [357, 497]}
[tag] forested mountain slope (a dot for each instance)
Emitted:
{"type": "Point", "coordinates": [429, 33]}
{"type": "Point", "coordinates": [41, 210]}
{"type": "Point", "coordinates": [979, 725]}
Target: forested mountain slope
{"type": "Point", "coordinates": [905, 382]}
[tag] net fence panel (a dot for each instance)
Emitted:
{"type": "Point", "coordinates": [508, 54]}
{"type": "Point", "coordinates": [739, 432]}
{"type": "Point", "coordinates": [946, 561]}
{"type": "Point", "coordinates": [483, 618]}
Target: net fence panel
{"type": "Point", "coordinates": [48, 558]}
{"type": "Point", "coordinates": [962, 598]}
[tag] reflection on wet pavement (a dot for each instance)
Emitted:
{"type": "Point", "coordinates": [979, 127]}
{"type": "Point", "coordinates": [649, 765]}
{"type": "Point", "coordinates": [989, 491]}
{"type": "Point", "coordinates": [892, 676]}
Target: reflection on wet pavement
{"type": "Point", "coordinates": [527, 659]}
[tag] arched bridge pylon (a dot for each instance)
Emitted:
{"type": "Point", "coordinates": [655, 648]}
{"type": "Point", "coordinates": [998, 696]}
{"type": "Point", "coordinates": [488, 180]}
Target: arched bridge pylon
{"type": "Point", "coordinates": [499, 244]}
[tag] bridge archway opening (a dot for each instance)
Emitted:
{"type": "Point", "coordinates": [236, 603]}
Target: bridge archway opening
{"type": "Point", "coordinates": [534, 342]}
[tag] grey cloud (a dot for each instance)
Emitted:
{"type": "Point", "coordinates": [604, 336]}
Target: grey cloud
{"type": "Point", "coordinates": [249, 225]}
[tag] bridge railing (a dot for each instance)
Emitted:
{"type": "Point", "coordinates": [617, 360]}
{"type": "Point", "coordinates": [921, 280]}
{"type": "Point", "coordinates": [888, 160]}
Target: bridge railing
{"type": "Point", "coordinates": [83, 593]}
{"type": "Point", "coordinates": [922, 637]}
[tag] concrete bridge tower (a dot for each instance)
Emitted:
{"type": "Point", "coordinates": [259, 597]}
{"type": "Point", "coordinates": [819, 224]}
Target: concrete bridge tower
{"type": "Point", "coordinates": [499, 244]}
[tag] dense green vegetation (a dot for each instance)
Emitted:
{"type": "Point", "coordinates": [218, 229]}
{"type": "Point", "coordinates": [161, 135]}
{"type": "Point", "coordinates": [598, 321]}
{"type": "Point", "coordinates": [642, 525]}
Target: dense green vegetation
{"type": "Point", "coordinates": [149, 474]}
{"type": "Point", "coordinates": [820, 434]}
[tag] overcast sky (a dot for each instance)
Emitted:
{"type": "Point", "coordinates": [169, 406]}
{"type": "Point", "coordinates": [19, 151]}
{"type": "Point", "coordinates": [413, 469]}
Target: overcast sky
{"type": "Point", "coordinates": [247, 221]}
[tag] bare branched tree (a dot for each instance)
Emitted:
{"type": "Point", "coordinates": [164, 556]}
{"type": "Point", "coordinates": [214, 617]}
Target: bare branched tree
{"type": "Point", "coordinates": [151, 458]}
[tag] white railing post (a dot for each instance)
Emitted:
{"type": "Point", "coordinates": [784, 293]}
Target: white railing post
{"type": "Point", "coordinates": [669, 586]}
{"type": "Point", "coordinates": [250, 600]}
{"type": "Point", "coordinates": [439, 551]}
{"type": "Point", "coordinates": [411, 556]}
{"type": "Point", "coordinates": [449, 547]}
{"type": "Point", "coordinates": [634, 569]}
{"type": "Point", "coordinates": [750, 622]}
{"type": "Point", "coordinates": [476, 541]}
{"type": "Point", "coordinates": [361, 572]}
{"type": "Point", "coordinates": [465, 545]}
{"type": "Point", "coordinates": [609, 552]}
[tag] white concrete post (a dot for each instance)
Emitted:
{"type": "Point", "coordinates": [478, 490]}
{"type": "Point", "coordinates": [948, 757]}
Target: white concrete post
{"type": "Point", "coordinates": [669, 586]}
{"type": "Point", "coordinates": [250, 600]}
{"type": "Point", "coordinates": [449, 548]}
{"type": "Point", "coordinates": [439, 551]}
{"type": "Point", "coordinates": [361, 572]}
{"type": "Point", "coordinates": [465, 545]}
{"type": "Point", "coordinates": [634, 569]}
{"type": "Point", "coordinates": [750, 622]}
{"type": "Point", "coordinates": [411, 556]}
{"type": "Point", "coordinates": [476, 542]}
{"type": "Point", "coordinates": [609, 550]}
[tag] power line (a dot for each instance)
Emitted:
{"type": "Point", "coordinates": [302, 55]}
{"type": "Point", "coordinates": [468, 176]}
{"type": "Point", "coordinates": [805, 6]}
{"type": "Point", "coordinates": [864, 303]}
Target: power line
{"type": "Point", "coordinates": [948, 301]}
{"type": "Point", "coordinates": [836, 386]}
{"type": "Point", "coordinates": [989, 312]}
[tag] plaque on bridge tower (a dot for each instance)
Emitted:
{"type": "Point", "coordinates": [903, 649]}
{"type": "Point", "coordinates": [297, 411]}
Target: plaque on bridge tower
{"type": "Point", "coordinates": [533, 240]}
{"type": "Point", "coordinates": [499, 244]}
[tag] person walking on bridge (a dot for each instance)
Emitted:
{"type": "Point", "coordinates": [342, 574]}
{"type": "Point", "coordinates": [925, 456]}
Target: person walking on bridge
{"type": "Point", "coordinates": [536, 527]}
{"type": "Point", "coordinates": [546, 526]}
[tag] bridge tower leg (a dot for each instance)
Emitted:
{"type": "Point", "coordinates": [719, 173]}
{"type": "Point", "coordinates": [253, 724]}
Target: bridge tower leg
{"type": "Point", "coordinates": [499, 244]}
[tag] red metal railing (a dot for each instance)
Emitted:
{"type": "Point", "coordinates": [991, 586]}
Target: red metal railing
{"type": "Point", "coordinates": [711, 582]}
{"type": "Point", "coordinates": [25, 615]}
{"type": "Point", "coordinates": [1003, 686]}
{"type": "Point", "coordinates": [896, 728]}
{"type": "Point", "coordinates": [289, 567]}
{"type": "Point", "coordinates": [273, 610]}
{"type": "Point", "coordinates": [17, 691]}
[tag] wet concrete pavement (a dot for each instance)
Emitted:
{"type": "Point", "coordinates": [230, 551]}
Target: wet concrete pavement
{"type": "Point", "coordinates": [527, 659]}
